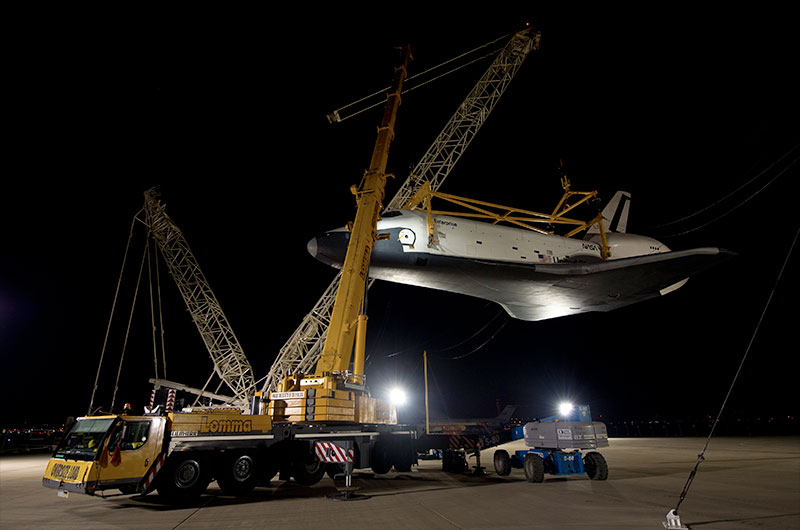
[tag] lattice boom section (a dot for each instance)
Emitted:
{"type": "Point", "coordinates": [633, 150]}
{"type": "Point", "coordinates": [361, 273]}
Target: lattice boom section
{"type": "Point", "coordinates": [226, 352]}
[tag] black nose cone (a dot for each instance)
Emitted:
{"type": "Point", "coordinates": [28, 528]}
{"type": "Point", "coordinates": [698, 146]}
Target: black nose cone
{"type": "Point", "coordinates": [329, 248]}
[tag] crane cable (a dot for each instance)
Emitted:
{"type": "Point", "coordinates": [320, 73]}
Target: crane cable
{"type": "Point", "coordinates": [407, 90]}
{"type": "Point", "coordinates": [111, 316]}
{"type": "Point", "coordinates": [701, 457]}
{"type": "Point", "coordinates": [417, 347]}
{"type": "Point", "coordinates": [145, 254]}
{"type": "Point", "coordinates": [484, 342]}
{"type": "Point", "coordinates": [742, 203]}
{"type": "Point", "coordinates": [152, 264]}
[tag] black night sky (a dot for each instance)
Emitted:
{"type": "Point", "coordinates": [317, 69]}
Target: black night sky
{"type": "Point", "coordinates": [694, 113]}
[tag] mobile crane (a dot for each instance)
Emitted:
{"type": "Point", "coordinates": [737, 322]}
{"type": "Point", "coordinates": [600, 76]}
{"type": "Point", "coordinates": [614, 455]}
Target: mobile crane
{"type": "Point", "coordinates": [316, 421]}
{"type": "Point", "coordinates": [312, 421]}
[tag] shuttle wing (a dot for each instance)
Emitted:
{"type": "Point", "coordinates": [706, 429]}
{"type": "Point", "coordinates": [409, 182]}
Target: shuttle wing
{"type": "Point", "coordinates": [603, 286]}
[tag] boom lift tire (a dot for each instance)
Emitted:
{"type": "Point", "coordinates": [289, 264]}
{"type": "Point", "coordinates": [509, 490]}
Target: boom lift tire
{"type": "Point", "coordinates": [308, 473]}
{"type": "Point", "coordinates": [237, 473]}
{"type": "Point", "coordinates": [502, 462]}
{"type": "Point", "coordinates": [185, 477]}
{"type": "Point", "coordinates": [534, 467]}
{"type": "Point", "coordinates": [595, 466]}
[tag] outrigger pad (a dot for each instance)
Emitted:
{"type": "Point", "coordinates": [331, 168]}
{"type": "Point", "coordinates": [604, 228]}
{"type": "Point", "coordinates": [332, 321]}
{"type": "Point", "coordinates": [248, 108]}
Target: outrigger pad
{"type": "Point", "coordinates": [348, 494]}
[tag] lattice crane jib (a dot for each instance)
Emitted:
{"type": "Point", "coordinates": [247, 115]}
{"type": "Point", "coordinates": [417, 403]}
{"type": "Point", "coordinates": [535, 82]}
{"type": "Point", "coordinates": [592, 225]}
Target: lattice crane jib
{"type": "Point", "coordinates": [227, 355]}
{"type": "Point", "coordinates": [301, 352]}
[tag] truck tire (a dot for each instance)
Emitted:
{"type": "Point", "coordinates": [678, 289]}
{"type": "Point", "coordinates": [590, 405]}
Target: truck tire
{"type": "Point", "coordinates": [379, 458]}
{"type": "Point", "coordinates": [502, 462]}
{"type": "Point", "coordinates": [454, 461]}
{"type": "Point", "coordinates": [403, 456]}
{"type": "Point", "coordinates": [332, 470]}
{"type": "Point", "coordinates": [534, 467]}
{"type": "Point", "coordinates": [185, 477]}
{"type": "Point", "coordinates": [595, 466]}
{"type": "Point", "coordinates": [128, 489]}
{"type": "Point", "coordinates": [236, 474]}
{"type": "Point", "coordinates": [308, 473]}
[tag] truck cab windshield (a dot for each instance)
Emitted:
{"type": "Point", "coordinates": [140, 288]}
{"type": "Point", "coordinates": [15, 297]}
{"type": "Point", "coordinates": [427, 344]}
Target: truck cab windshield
{"type": "Point", "coordinates": [84, 439]}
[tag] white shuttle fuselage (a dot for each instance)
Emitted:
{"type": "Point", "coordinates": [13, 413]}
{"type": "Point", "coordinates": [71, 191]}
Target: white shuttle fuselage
{"type": "Point", "coordinates": [534, 276]}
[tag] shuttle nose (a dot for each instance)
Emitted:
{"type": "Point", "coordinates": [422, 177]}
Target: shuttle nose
{"type": "Point", "coordinates": [329, 247]}
{"type": "Point", "coordinates": [313, 247]}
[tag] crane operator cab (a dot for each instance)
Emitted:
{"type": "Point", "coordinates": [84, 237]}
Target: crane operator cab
{"type": "Point", "coordinates": [105, 452]}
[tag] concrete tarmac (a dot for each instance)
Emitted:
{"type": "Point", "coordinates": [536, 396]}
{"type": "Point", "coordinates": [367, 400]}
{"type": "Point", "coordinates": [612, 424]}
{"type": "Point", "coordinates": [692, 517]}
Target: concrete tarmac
{"type": "Point", "coordinates": [744, 483]}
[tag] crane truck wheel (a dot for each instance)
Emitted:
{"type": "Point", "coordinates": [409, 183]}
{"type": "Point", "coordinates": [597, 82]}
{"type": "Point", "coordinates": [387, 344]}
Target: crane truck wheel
{"type": "Point", "coordinates": [403, 457]}
{"type": "Point", "coordinates": [454, 461]}
{"type": "Point", "coordinates": [380, 460]}
{"type": "Point", "coordinates": [534, 468]}
{"type": "Point", "coordinates": [332, 470]}
{"type": "Point", "coordinates": [595, 466]}
{"type": "Point", "coordinates": [236, 474]}
{"type": "Point", "coordinates": [502, 462]}
{"type": "Point", "coordinates": [308, 473]}
{"type": "Point", "coordinates": [185, 477]}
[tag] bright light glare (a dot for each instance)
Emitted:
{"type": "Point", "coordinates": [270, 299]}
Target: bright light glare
{"type": "Point", "coordinates": [564, 408]}
{"type": "Point", "coordinates": [397, 396]}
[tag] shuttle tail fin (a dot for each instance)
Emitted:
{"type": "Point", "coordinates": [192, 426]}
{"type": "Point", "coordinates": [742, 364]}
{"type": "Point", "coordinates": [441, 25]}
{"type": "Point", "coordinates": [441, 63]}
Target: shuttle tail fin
{"type": "Point", "coordinates": [615, 214]}
{"type": "Point", "coordinates": [505, 415]}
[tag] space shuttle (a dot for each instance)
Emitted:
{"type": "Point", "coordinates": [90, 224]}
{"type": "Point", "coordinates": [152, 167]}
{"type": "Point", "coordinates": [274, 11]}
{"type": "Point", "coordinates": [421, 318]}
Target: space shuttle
{"type": "Point", "coordinates": [472, 425]}
{"type": "Point", "coordinates": [533, 276]}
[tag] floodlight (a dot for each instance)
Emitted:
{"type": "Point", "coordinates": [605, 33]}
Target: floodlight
{"type": "Point", "coordinates": [397, 396]}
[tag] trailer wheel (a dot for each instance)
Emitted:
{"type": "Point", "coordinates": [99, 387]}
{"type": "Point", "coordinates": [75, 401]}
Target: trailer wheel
{"type": "Point", "coordinates": [308, 473]}
{"type": "Point", "coordinates": [534, 468]}
{"type": "Point", "coordinates": [237, 474]}
{"type": "Point", "coordinates": [502, 462]}
{"type": "Point", "coordinates": [595, 466]}
{"type": "Point", "coordinates": [185, 477]}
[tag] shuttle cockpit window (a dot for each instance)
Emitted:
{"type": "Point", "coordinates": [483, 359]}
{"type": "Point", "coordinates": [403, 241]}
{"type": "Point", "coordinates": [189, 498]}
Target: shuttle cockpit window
{"type": "Point", "coordinates": [391, 213]}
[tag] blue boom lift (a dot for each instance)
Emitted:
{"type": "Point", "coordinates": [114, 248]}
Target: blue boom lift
{"type": "Point", "coordinates": [555, 443]}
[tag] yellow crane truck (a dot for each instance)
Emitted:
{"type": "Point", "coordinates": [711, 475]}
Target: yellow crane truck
{"type": "Point", "coordinates": [179, 454]}
{"type": "Point", "coordinates": [326, 421]}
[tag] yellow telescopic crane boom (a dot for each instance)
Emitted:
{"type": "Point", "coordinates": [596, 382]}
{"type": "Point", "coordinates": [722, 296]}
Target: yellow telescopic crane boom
{"type": "Point", "coordinates": [334, 393]}
{"type": "Point", "coordinates": [338, 346]}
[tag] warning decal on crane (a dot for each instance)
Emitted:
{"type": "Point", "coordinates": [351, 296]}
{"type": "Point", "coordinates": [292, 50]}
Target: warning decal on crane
{"type": "Point", "coordinates": [163, 396]}
{"type": "Point", "coordinates": [148, 481]}
{"type": "Point", "coordinates": [332, 452]}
